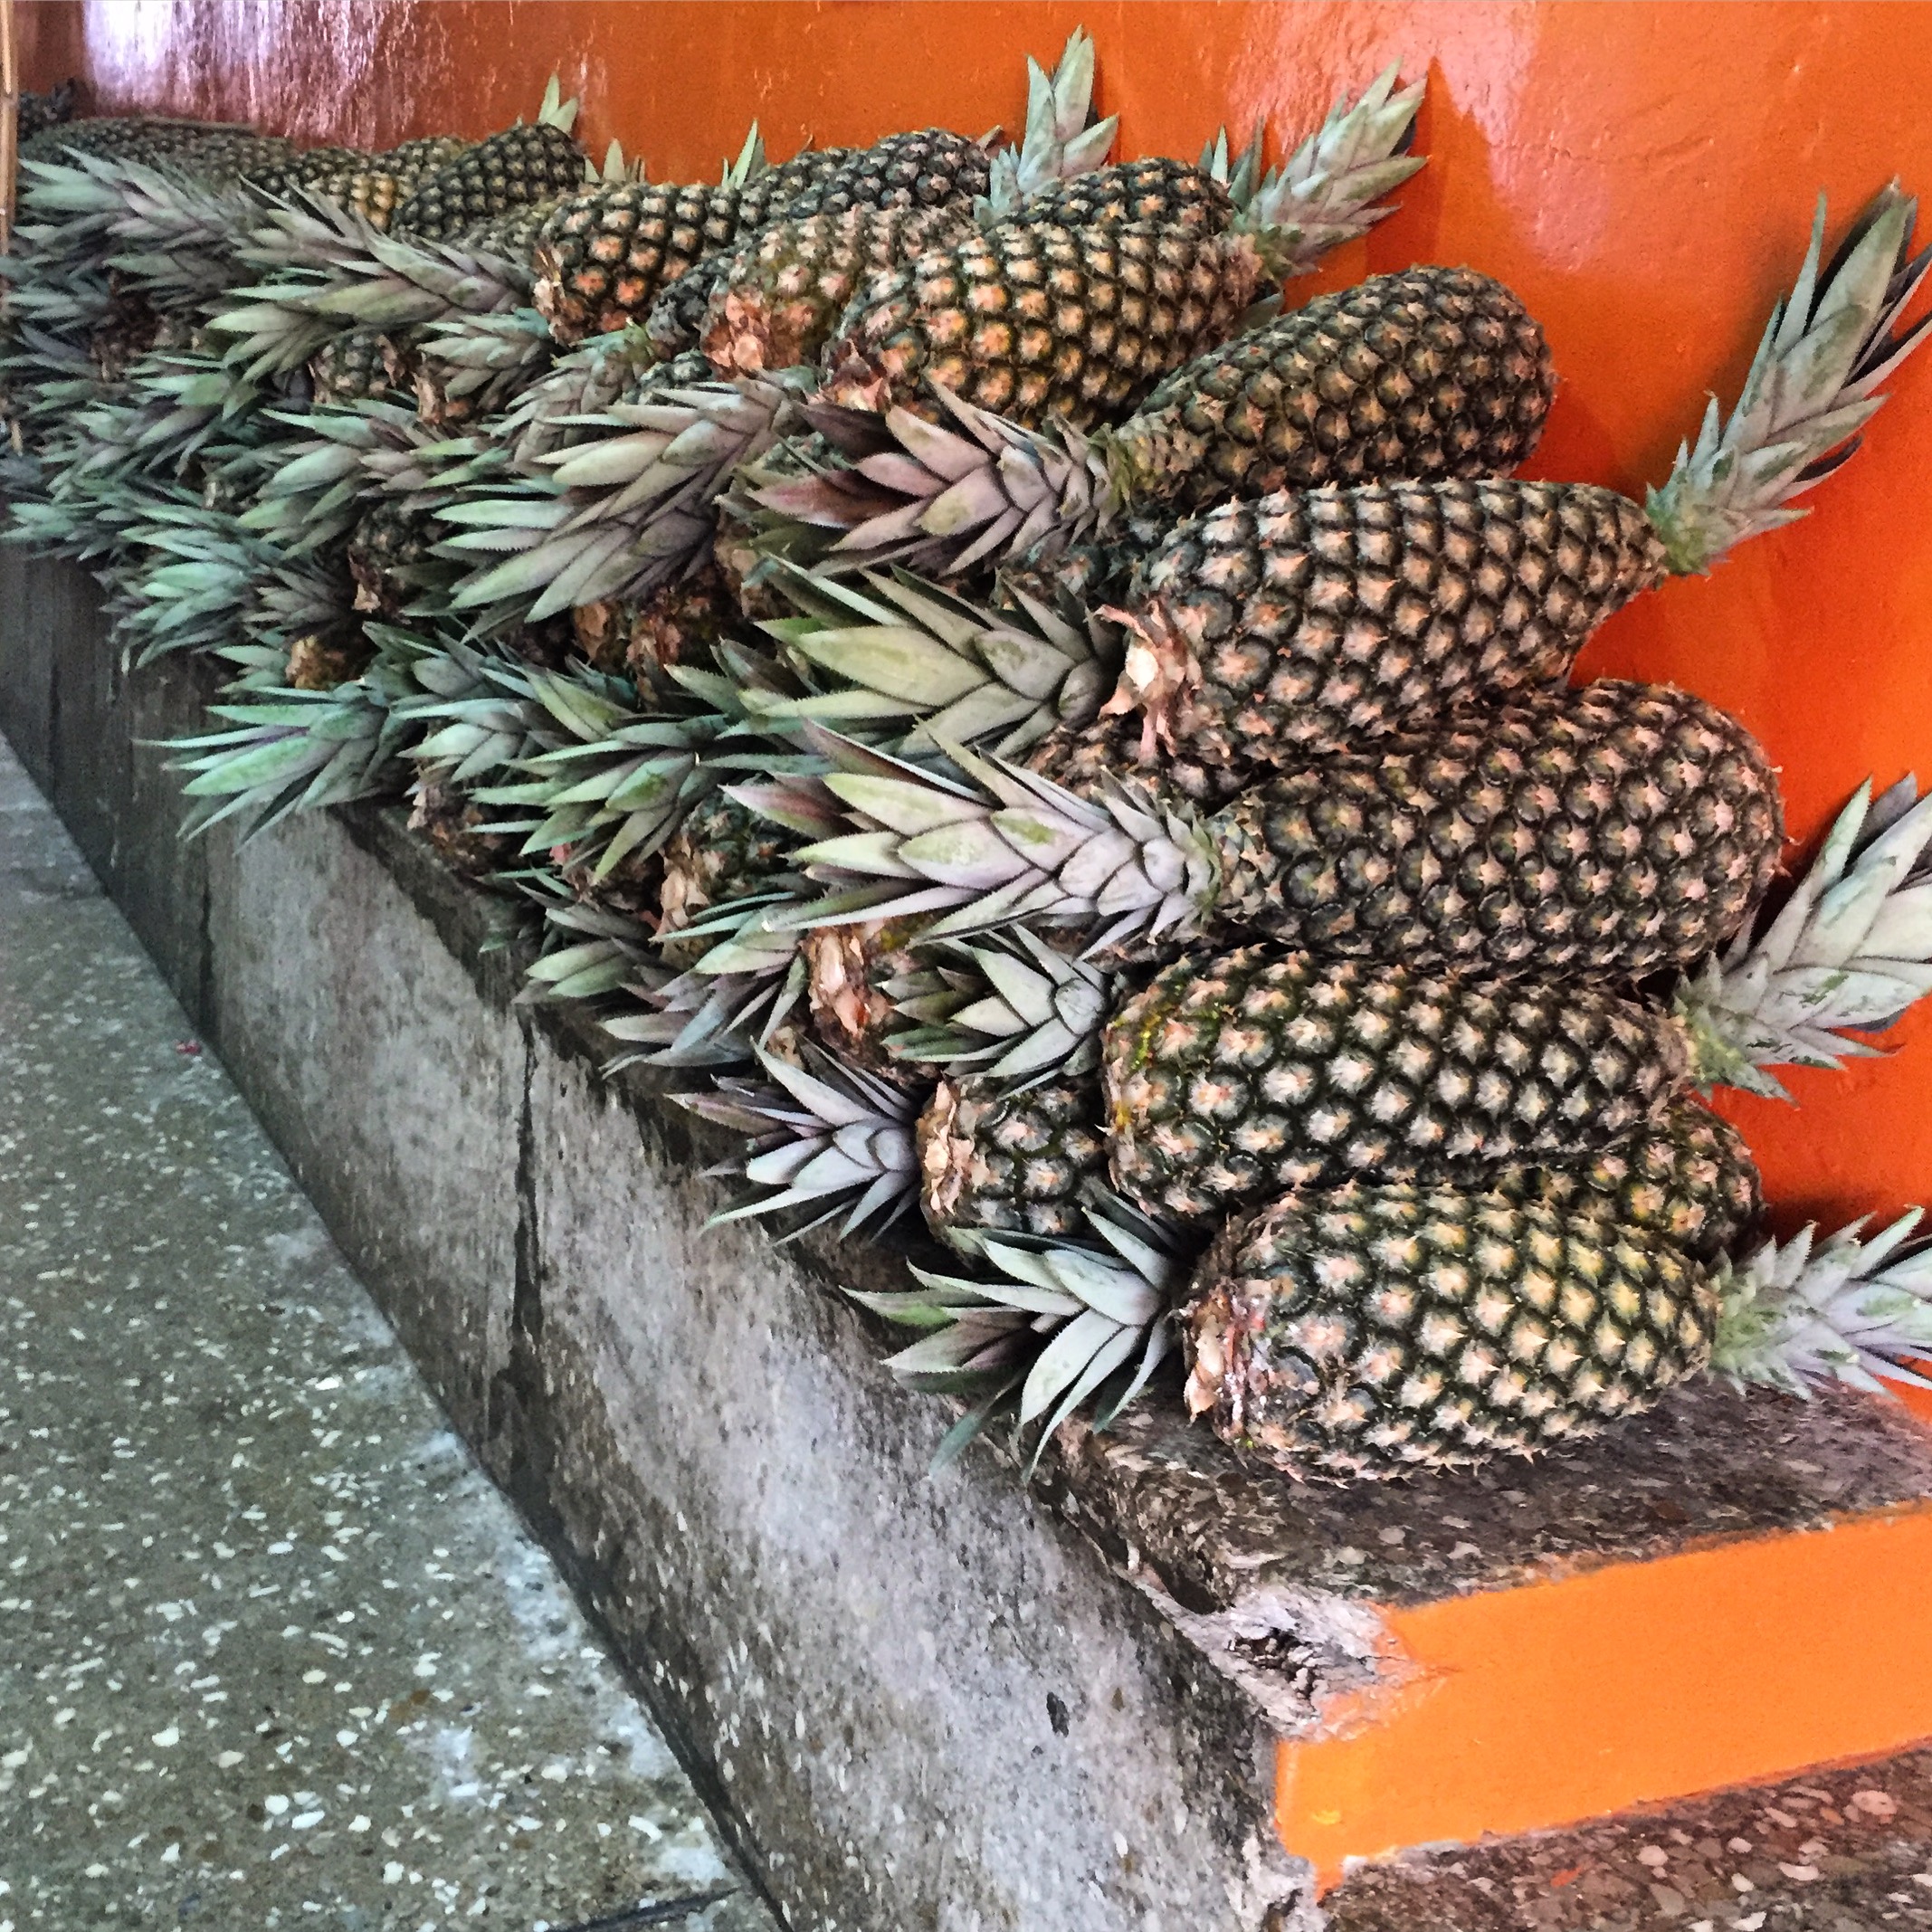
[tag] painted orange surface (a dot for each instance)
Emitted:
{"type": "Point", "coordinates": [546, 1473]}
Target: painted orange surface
{"type": "Point", "coordinates": [1643, 175]}
{"type": "Point", "coordinates": [1624, 1686]}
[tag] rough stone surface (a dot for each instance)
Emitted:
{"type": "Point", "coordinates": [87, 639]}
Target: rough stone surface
{"type": "Point", "coordinates": [270, 1643]}
{"type": "Point", "coordinates": [1835, 1850]}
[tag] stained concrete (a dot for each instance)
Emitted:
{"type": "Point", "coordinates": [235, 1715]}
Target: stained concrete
{"type": "Point", "coordinates": [1838, 1849]}
{"type": "Point", "coordinates": [273, 1648]}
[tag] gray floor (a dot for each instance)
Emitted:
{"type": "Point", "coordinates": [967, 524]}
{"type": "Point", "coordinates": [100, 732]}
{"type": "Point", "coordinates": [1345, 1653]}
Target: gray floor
{"type": "Point", "coordinates": [272, 1652]}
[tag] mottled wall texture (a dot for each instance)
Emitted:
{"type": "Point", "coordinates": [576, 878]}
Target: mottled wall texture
{"type": "Point", "coordinates": [1643, 173]}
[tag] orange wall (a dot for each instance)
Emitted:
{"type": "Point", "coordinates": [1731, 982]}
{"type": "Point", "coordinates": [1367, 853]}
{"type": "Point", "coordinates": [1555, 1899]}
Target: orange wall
{"type": "Point", "coordinates": [1642, 172]}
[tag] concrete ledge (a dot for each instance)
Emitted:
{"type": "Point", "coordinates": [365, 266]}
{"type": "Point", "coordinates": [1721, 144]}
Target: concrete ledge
{"type": "Point", "coordinates": [946, 1705]}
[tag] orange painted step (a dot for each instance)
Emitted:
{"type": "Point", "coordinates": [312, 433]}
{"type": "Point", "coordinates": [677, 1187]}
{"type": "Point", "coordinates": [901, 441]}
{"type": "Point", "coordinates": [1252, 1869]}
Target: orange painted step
{"type": "Point", "coordinates": [1512, 1711]}
{"type": "Point", "coordinates": [1729, 1589]}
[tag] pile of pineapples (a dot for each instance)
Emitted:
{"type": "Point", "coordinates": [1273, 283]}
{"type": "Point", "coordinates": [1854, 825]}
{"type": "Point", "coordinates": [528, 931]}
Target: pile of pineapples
{"type": "Point", "coordinates": [1071, 749]}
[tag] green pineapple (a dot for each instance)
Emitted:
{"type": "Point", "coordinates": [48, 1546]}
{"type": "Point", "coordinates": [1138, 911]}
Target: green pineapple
{"type": "Point", "coordinates": [1616, 830]}
{"type": "Point", "coordinates": [1425, 1327]}
{"type": "Point", "coordinates": [1304, 620]}
{"type": "Point", "coordinates": [1410, 1328]}
{"type": "Point", "coordinates": [1036, 315]}
{"type": "Point", "coordinates": [524, 163]}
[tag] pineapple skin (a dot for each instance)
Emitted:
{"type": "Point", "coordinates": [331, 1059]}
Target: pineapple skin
{"type": "Point", "coordinates": [1085, 758]}
{"type": "Point", "coordinates": [1156, 188]}
{"type": "Point", "coordinates": [532, 163]}
{"type": "Point", "coordinates": [1309, 620]}
{"type": "Point", "coordinates": [1030, 319]}
{"type": "Point", "coordinates": [1614, 830]}
{"type": "Point", "coordinates": [779, 297]}
{"type": "Point", "coordinates": [389, 538]}
{"type": "Point", "coordinates": [991, 1158]}
{"type": "Point", "coordinates": [1433, 372]}
{"type": "Point", "coordinates": [358, 365]}
{"type": "Point", "coordinates": [1412, 1328]}
{"type": "Point", "coordinates": [722, 851]}
{"type": "Point", "coordinates": [1688, 1177]}
{"type": "Point", "coordinates": [604, 256]}
{"type": "Point", "coordinates": [1232, 1079]}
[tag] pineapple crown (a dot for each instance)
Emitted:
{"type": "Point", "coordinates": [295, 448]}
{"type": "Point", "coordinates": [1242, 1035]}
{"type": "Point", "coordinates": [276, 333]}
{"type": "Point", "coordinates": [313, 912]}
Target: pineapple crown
{"type": "Point", "coordinates": [1326, 191]}
{"type": "Point", "coordinates": [1851, 947]}
{"type": "Point", "coordinates": [907, 651]}
{"type": "Point", "coordinates": [629, 509]}
{"type": "Point", "coordinates": [1004, 847]}
{"type": "Point", "coordinates": [946, 496]}
{"type": "Point", "coordinates": [705, 1019]}
{"type": "Point", "coordinates": [589, 951]}
{"type": "Point", "coordinates": [1057, 143]}
{"type": "Point", "coordinates": [750, 164]}
{"type": "Point", "coordinates": [825, 1136]}
{"type": "Point", "coordinates": [1799, 1313]}
{"type": "Point", "coordinates": [292, 750]}
{"type": "Point", "coordinates": [1042, 1325]}
{"type": "Point", "coordinates": [555, 111]}
{"type": "Point", "coordinates": [1010, 1007]}
{"type": "Point", "coordinates": [1812, 384]}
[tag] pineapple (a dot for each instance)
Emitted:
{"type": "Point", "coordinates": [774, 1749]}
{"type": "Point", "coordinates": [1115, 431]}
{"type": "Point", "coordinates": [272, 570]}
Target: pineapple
{"type": "Point", "coordinates": [1310, 619]}
{"type": "Point", "coordinates": [1058, 144]}
{"type": "Point", "coordinates": [777, 299]}
{"type": "Point", "coordinates": [1037, 315]}
{"type": "Point", "coordinates": [720, 852]}
{"type": "Point", "coordinates": [1424, 1328]}
{"type": "Point", "coordinates": [208, 151]}
{"type": "Point", "coordinates": [1261, 1075]}
{"type": "Point", "coordinates": [1253, 1073]}
{"type": "Point", "coordinates": [1429, 373]}
{"type": "Point", "coordinates": [1407, 1329]}
{"type": "Point", "coordinates": [606, 258]}
{"type": "Point", "coordinates": [1849, 948]}
{"type": "Point", "coordinates": [1031, 319]}
{"type": "Point", "coordinates": [1615, 829]}
{"type": "Point", "coordinates": [471, 366]}
{"type": "Point", "coordinates": [370, 185]}
{"type": "Point", "coordinates": [388, 555]}
{"type": "Point", "coordinates": [458, 830]}
{"type": "Point", "coordinates": [992, 1155]}
{"type": "Point", "coordinates": [364, 364]}
{"type": "Point", "coordinates": [524, 163]}
{"type": "Point", "coordinates": [38, 112]}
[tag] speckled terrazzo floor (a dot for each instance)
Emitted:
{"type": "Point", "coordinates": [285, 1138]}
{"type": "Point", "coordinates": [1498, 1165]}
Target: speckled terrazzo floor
{"type": "Point", "coordinates": [272, 1652]}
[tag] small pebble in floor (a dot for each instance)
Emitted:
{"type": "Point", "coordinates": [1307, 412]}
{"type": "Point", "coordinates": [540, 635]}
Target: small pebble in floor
{"type": "Point", "coordinates": [272, 1652]}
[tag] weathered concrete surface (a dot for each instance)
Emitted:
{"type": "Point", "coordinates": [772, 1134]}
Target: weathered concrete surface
{"type": "Point", "coordinates": [1834, 1850]}
{"type": "Point", "coordinates": [918, 1706]}
{"type": "Point", "coordinates": [271, 1644]}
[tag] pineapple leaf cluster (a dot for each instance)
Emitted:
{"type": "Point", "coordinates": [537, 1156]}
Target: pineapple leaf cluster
{"type": "Point", "coordinates": [1065, 754]}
